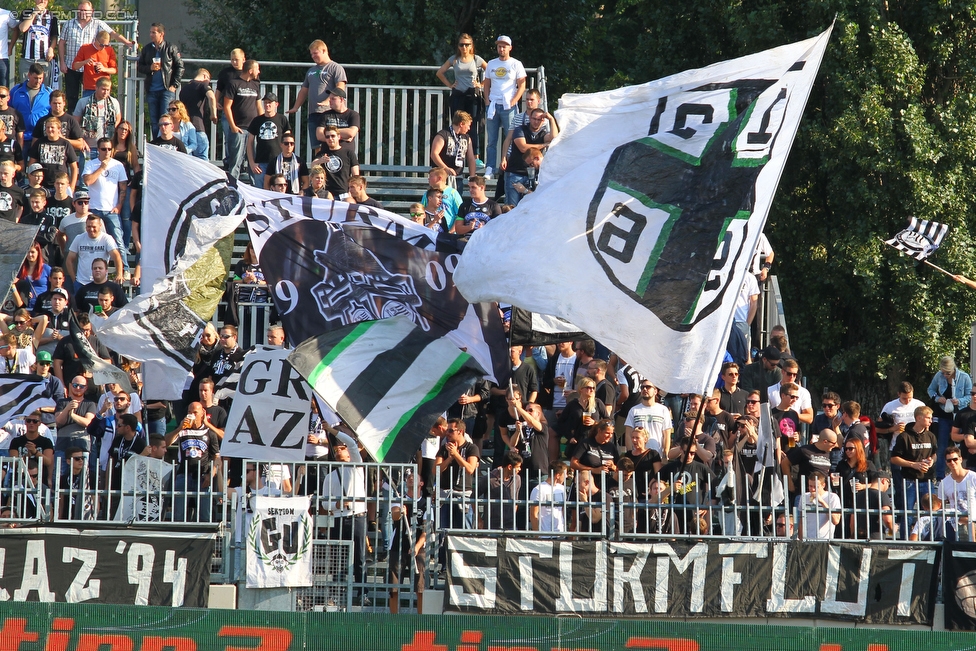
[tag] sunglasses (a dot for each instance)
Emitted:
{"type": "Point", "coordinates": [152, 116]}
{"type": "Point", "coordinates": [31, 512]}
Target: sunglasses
{"type": "Point", "coordinates": [290, 143]}
{"type": "Point", "coordinates": [84, 201]}
{"type": "Point", "coordinates": [104, 149]}
{"type": "Point", "coordinates": [792, 396]}
{"type": "Point", "coordinates": [32, 421]}
{"type": "Point", "coordinates": [171, 109]}
{"type": "Point", "coordinates": [752, 402]}
{"type": "Point", "coordinates": [828, 405]}
{"type": "Point", "coordinates": [79, 386]}
{"type": "Point", "coordinates": [77, 458]}
{"type": "Point", "coordinates": [849, 449]}
{"type": "Point", "coordinates": [952, 459]}
{"type": "Point", "coordinates": [226, 336]}
{"type": "Point", "coordinates": [20, 322]}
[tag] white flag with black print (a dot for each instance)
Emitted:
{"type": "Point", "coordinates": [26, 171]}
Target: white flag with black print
{"type": "Point", "coordinates": [21, 394]}
{"type": "Point", "coordinates": [649, 208]}
{"type": "Point", "coordinates": [920, 239]}
{"type": "Point", "coordinates": [279, 543]}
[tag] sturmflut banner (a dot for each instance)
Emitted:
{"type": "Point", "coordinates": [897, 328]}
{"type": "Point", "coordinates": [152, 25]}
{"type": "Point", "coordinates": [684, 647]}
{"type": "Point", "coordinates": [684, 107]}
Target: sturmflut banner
{"type": "Point", "coordinates": [650, 204]}
{"type": "Point", "coordinates": [878, 584]}
{"type": "Point", "coordinates": [279, 543]}
{"type": "Point", "coordinates": [268, 419]}
{"type": "Point", "coordinates": [107, 567]}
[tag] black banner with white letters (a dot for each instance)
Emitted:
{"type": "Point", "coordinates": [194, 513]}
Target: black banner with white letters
{"type": "Point", "coordinates": [104, 567]}
{"type": "Point", "coordinates": [959, 586]}
{"type": "Point", "coordinates": [879, 584]}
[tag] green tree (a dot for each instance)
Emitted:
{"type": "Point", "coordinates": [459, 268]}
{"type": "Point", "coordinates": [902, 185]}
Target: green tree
{"type": "Point", "coordinates": [888, 133]}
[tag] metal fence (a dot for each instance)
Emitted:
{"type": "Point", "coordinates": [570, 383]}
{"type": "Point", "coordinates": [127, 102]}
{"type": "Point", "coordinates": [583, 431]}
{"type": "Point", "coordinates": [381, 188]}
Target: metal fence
{"type": "Point", "coordinates": [355, 561]}
{"type": "Point", "coordinates": [398, 120]}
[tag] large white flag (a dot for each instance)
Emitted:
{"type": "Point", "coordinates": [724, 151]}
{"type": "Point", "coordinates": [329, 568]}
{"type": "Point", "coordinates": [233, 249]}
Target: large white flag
{"type": "Point", "coordinates": [649, 209]}
{"type": "Point", "coordinates": [190, 213]}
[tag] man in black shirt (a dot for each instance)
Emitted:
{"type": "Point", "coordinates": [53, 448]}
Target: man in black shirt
{"type": "Point", "coordinates": [340, 163]}
{"type": "Point", "coordinates": [690, 481]}
{"type": "Point", "coordinates": [55, 154]}
{"type": "Point", "coordinates": [87, 296]}
{"type": "Point", "coordinates": [166, 138]}
{"type": "Point", "coordinates": [11, 196]}
{"type": "Point", "coordinates": [264, 135]}
{"type": "Point", "coordinates": [242, 104]}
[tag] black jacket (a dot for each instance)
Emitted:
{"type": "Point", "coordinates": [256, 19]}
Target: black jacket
{"type": "Point", "coordinates": [170, 61]}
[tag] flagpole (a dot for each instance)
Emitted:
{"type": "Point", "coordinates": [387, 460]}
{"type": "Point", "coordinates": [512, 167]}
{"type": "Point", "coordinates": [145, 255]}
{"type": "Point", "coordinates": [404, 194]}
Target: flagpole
{"type": "Point", "coordinates": [934, 266]}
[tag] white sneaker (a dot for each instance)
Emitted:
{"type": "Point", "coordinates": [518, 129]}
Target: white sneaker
{"type": "Point", "coordinates": [488, 173]}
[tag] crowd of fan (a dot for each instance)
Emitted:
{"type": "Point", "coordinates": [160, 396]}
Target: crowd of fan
{"type": "Point", "coordinates": [69, 164]}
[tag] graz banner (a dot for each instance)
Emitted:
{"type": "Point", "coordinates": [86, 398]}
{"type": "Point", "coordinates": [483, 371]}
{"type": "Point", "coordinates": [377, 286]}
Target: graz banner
{"type": "Point", "coordinates": [879, 584]}
{"type": "Point", "coordinates": [279, 543]}
{"type": "Point", "coordinates": [104, 567]}
{"type": "Point", "coordinates": [268, 419]}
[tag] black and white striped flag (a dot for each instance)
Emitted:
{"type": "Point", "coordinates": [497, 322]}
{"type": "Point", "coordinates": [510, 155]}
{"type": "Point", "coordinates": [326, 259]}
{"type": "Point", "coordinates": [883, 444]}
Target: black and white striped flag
{"type": "Point", "coordinates": [21, 394]}
{"type": "Point", "coordinates": [388, 380]}
{"type": "Point", "coordinates": [920, 239]}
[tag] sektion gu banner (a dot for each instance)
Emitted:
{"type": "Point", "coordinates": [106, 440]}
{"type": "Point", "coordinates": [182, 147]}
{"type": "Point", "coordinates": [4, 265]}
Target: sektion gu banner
{"type": "Point", "coordinates": [333, 264]}
{"type": "Point", "coordinates": [279, 543]}
{"type": "Point", "coordinates": [649, 208]}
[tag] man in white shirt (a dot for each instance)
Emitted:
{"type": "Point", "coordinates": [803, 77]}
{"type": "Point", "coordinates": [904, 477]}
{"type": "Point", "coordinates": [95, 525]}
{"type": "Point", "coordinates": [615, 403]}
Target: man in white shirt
{"type": "Point", "coordinates": [106, 180]}
{"type": "Point", "coordinates": [746, 304]}
{"type": "Point", "coordinates": [804, 404]}
{"type": "Point", "coordinates": [547, 499]}
{"type": "Point", "coordinates": [653, 417]}
{"type": "Point", "coordinates": [344, 496]}
{"type": "Point", "coordinates": [820, 511]}
{"type": "Point", "coordinates": [88, 246]}
{"type": "Point", "coordinates": [503, 88]}
{"type": "Point", "coordinates": [957, 490]}
{"type": "Point", "coordinates": [894, 416]}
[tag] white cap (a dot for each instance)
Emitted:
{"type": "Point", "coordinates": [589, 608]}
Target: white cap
{"type": "Point", "coordinates": [504, 39]}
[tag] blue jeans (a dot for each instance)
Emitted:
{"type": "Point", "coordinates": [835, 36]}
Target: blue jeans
{"type": "Point", "coordinates": [157, 427]}
{"type": "Point", "coordinates": [502, 119]}
{"type": "Point", "coordinates": [945, 440]}
{"type": "Point", "coordinates": [235, 152]}
{"type": "Point", "coordinates": [203, 146]}
{"type": "Point", "coordinates": [257, 180]}
{"type": "Point", "coordinates": [158, 101]}
{"type": "Point", "coordinates": [512, 196]}
{"type": "Point", "coordinates": [113, 226]}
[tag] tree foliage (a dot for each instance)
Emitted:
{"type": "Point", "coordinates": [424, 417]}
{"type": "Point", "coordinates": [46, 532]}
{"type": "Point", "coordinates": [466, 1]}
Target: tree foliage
{"type": "Point", "coordinates": [888, 133]}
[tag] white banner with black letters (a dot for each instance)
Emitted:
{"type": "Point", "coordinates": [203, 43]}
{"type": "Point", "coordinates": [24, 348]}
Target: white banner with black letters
{"type": "Point", "coordinates": [106, 566]}
{"type": "Point", "coordinates": [268, 419]}
{"type": "Point", "coordinates": [878, 584]}
{"type": "Point", "coordinates": [279, 543]}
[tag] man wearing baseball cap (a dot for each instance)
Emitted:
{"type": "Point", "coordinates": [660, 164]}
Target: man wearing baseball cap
{"type": "Point", "coordinates": [53, 387]}
{"type": "Point", "coordinates": [503, 88]}
{"type": "Point", "coordinates": [339, 115]}
{"type": "Point", "coordinates": [55, 322]}
{"type": "Point", "coordinates": [264, 135]}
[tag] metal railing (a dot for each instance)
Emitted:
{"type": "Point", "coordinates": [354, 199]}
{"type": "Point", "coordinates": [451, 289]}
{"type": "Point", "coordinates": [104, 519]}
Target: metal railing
{"type": "Point", "coordinates": [398, 120]}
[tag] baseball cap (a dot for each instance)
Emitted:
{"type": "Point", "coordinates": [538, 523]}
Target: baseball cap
{"type": "Point", "coordinates": [504, 39]}
{"type": "Point", "coordinates": [61, 291]}
{"type": "Point", "coordinates": [44, 357]}
{"type": "Point", "coordinates": [36, 167]}
{"type": "Point", "coordinates": [338, 92]}
{"type": "Point", "coordinates": [80, 194]}
{"type": "Point", "coordinates": [772, 353]}
{"type": "Point", "coordinates": [270, 97]}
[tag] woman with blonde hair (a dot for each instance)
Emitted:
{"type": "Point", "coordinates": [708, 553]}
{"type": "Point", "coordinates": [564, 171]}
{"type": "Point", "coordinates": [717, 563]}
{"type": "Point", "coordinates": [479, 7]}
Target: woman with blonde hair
{"type": "Point", "coordinates": [466, 88]}
{"type": "Point", "coordinates": [188, 132]}
{"type": "Point", "coordinates": [580, 415]}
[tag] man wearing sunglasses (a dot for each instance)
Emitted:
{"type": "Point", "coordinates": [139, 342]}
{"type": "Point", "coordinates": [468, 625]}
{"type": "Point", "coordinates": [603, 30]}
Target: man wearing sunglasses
{"type": "Point", "coordinates": [35, 448]}
{"type": "Point", "coordinates": [72, 416]}
{"type": "Point", "coordinates": [954, 491]}
{"type": "Point", "coordinates": [289, 165]}
{"type": "Point", "coordinates": [804, 461]}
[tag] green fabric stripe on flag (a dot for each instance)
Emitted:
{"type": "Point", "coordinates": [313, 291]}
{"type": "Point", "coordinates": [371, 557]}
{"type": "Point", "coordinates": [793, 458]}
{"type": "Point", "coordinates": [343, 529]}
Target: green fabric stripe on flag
{"type": "Point", "coordinates": [434, 391]}
{"type": "Point", "coordinates": [358, 331]}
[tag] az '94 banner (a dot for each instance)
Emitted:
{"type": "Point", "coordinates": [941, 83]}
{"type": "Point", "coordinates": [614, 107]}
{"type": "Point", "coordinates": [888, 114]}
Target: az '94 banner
{"type": "Point", "coordinates": [332, 264]}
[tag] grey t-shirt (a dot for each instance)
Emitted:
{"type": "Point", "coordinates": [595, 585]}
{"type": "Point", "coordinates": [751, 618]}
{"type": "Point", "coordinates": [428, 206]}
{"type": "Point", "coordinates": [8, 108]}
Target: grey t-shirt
{"type": "Point", "coordinates": [320, 80]}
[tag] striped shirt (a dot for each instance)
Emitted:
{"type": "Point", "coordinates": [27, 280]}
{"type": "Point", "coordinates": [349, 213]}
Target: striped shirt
{"type": "Point", "coordinates": [74, 36]}
{"type": "Point", "coordinates": [42, 34]}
